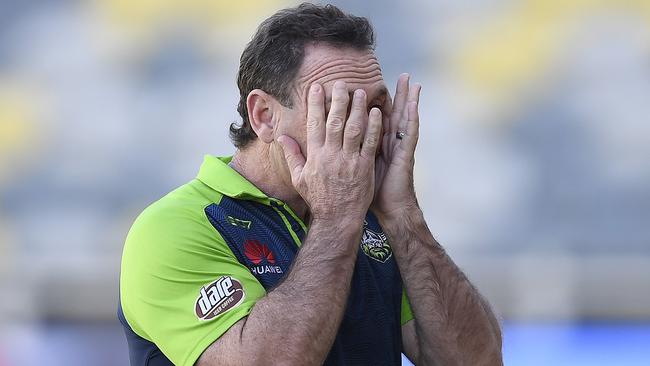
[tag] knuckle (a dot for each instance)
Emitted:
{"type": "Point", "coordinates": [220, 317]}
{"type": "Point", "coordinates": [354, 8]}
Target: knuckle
{"type": "Point", "coordinates": [312, 121]}
{"type": "Point", "coordinates": [340, 98]}
{"type": "Point", "coordinates": [314, 101]}
{"type": "Point", "coordinates": [359, 109]}
{"type": "Point", "coordinates": [353, 130]}
{"type": "Point", "coordinates": [335, 123]}
{"type": "Point", "coordinates": [359, 104]}
{"type": "Point", "coordinates": [372, 140]}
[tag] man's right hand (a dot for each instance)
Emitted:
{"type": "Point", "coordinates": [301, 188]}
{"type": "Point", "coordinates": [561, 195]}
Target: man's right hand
{"type": "Point", "coordinates": [336, 176]}
{"type": "Point", "coordinates": [336, 179]}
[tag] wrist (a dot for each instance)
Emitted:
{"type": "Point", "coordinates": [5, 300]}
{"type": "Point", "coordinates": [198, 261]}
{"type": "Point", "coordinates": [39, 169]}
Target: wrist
{"type": "Point", "coordinates": [408, 214]}
{"type": "Point", "coordinates": [408, 234]}
{"type": "Point", "coordinates": [342, 235]}
{"type": "Point", "coordinates": [344, 224]}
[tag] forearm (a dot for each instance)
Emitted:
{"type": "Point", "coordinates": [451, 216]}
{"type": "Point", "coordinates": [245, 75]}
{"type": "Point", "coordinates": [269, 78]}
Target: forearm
{"type": "Point", "coordinates": [307, 307]}
{"type": "Point", "coordinates": [334, 175]}
{"type": "Point", "coordinates": [453, 323]}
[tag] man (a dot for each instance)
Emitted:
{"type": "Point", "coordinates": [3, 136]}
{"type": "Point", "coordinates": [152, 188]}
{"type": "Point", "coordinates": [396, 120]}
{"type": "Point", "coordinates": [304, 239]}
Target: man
{"type": "Point", "coordinates": [291, 252]}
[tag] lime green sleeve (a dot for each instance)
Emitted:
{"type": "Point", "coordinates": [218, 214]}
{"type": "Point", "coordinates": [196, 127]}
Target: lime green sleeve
{"type": "Point", "coordinates": [181, 287]}
{"type": "Point", "coordinates": [407, 314]}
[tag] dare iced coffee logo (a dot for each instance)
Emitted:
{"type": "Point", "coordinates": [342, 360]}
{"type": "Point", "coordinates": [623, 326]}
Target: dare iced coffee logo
{"type": "Point", "coordinates": [218, 297]}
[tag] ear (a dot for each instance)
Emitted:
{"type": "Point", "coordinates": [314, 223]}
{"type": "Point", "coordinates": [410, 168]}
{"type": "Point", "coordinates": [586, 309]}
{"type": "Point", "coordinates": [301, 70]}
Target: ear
{"type": "Point", "coordinates": [260, 114]}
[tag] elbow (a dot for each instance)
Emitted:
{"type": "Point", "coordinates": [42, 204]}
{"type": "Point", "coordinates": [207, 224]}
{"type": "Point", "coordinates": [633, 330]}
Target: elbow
{"type": "Point", "coordinates": [498, 338]}
{"type": "Point", "coordinates": [486, 349]}
{"type": "Point", "coordinates": [492, 354]}
{"type": "Point", "coordinates": [289, 357]}
{"type": "Point", "coordinates": [493, 358]}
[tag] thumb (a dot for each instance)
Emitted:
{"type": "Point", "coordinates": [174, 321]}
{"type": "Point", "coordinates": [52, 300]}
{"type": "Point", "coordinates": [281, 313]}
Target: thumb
{"type": "Point", "coordinates": [293, 155]}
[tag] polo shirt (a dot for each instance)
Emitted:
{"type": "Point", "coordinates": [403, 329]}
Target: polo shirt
{"type": "Point", "coordinates": [196, 261]}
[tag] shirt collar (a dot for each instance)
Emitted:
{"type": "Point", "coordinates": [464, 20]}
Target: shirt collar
{"type": "Point", "coordinates": [218, 175]}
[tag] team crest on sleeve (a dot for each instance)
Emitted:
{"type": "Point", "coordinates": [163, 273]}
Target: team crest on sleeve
{"type": "Point", "coordinates": [218, 297]}
{"type": "Point", "coordinates": [375, 245]}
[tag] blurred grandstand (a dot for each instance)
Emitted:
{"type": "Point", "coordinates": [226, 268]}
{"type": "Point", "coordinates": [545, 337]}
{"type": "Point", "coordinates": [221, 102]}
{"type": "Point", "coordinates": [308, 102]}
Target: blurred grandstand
{"type": "Point", "coordinates": [533, 167]}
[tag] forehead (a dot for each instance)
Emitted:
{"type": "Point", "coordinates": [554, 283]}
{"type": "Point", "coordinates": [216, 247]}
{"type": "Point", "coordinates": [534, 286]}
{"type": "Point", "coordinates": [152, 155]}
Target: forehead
{"type": "Point", "coordinates": [325, 64]}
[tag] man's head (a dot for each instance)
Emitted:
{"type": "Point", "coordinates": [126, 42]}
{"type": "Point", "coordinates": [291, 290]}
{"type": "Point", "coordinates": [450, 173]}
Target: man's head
{"type": "Point", "coordinates": [292, 49]}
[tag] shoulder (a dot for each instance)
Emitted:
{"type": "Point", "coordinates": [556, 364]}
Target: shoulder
{"type": "Point", "coordinates": [173, 231]}
{"type": "Point", "coordinates": [180, 213]}
{"type": "Point", "coordinates": [173, 253]}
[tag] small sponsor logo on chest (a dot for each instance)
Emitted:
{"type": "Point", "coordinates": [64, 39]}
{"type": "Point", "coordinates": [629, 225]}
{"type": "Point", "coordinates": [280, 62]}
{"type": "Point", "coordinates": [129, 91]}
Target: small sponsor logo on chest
{"type": "Point", "coordinates": [261, 257]}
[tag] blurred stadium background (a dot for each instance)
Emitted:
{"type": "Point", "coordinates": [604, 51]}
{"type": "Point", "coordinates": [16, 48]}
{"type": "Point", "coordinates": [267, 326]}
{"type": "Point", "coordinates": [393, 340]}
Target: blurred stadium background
{"type": "Point", "coordinates": [533, 166]}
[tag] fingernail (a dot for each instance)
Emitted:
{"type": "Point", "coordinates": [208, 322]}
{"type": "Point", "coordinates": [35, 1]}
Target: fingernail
{"type": "Point", "coordinates": [359, 93]}
{"type": "Point", "coordinates": [315, 88]}
{"type": "Point", "coordinates": [339, 85]}
{"type": "Point", "coordinates": [375, 112]}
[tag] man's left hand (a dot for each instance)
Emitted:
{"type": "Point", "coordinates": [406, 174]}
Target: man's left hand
{"type": "Point", "coordinates": [394, 190]}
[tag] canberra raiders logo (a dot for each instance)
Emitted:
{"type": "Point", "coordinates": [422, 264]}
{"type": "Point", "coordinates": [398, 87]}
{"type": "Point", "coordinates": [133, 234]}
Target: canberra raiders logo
{"type": "Point", "coordinates": [375, 245]}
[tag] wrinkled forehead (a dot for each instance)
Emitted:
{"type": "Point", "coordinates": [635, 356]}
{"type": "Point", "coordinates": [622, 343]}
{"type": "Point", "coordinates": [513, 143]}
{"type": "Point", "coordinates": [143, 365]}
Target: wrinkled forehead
{"type": "Point", "coordinates": [325, 64]}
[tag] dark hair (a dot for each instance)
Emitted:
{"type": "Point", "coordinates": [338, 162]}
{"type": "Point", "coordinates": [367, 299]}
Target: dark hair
{"type": "Point", "coordinates": [274, 55]}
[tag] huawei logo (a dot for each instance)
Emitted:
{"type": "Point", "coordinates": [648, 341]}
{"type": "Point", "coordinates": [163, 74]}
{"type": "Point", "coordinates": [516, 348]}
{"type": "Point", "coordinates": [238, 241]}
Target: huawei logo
{"type": "Point", "coordinates": [256, 252]}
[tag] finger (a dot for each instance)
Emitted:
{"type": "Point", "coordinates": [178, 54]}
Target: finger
{"type": "Point", "coordinates": [413, 97]}
{"type": "Point", "coordinates": [385, 131]}
{"type": "Point", "coordinates": [399, 102]}
{"type": "Point", "coordinates": [355, 125]}
{"type": "Point", "coordinates": [410, 140]}
{"type": "Point", "coordinates": [372, 137]}
{"type": "Point", "coordinates": [336, 117]}
{"type": "Point", "coordinates": [315, 117]}
{"type": "Point", "coordinates": [294, 157]}
{"type": "Point", "coordinates": [414, 93]}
